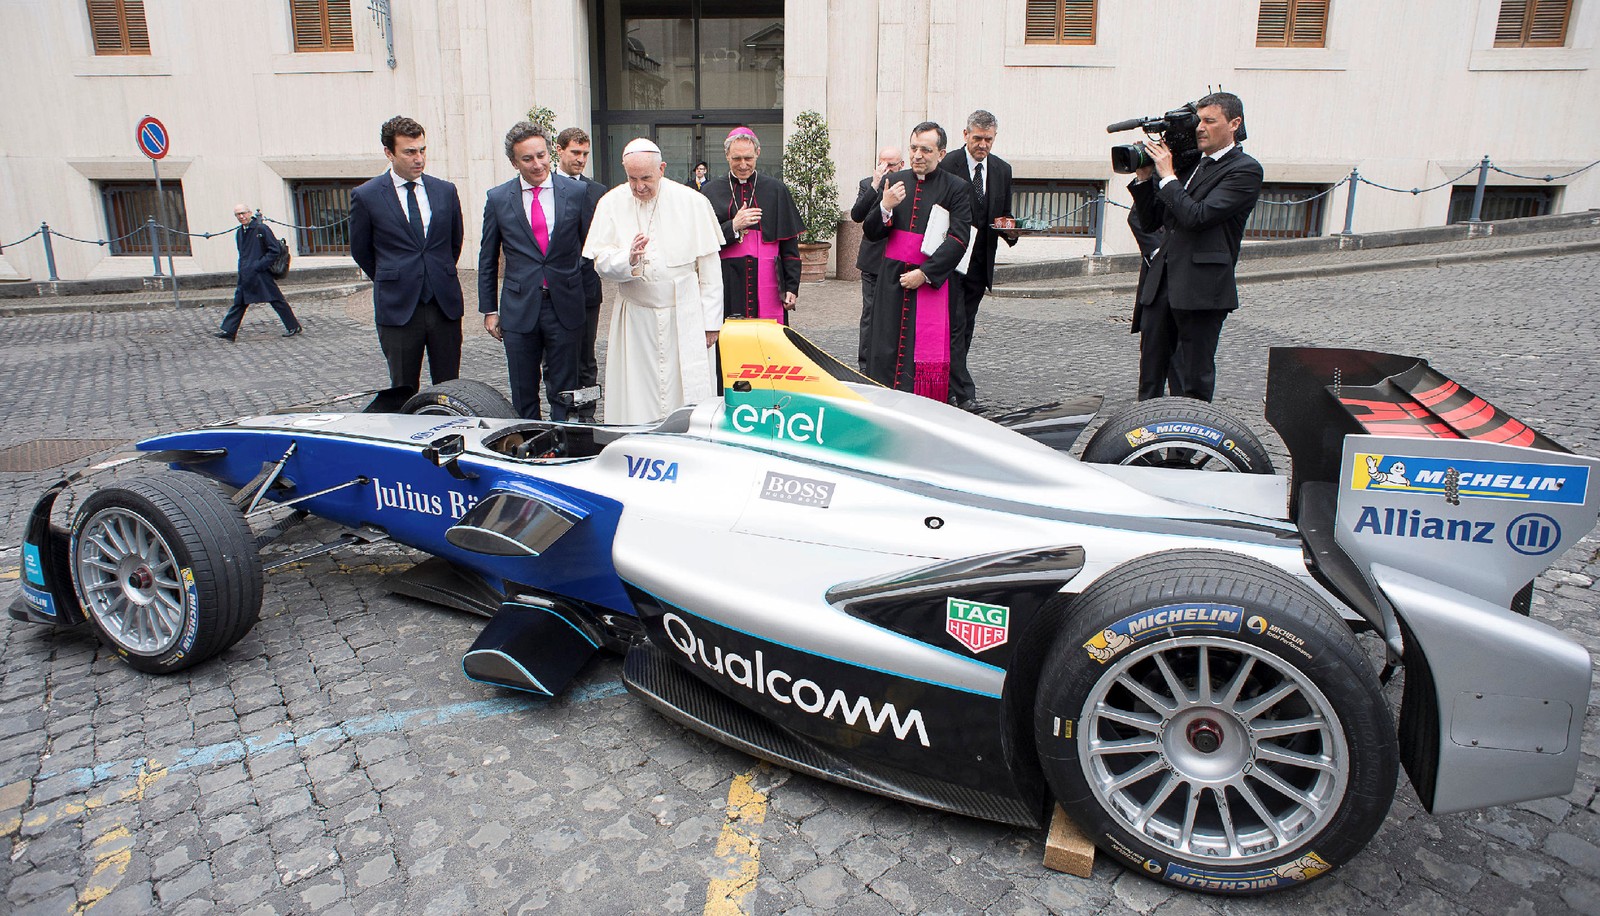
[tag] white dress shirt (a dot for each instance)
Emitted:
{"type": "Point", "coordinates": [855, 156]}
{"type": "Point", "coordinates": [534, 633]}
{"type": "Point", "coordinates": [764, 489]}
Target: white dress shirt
{"type": "Point", "coordinates": [547, 201]}
{"type": "Point", "coordinates": [422, 200]}
{"type": "Point", "coordinates": [1214, 157]}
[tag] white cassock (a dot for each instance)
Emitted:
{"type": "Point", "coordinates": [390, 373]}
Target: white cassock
{"type": "Point", "coordinates": [656, 354]}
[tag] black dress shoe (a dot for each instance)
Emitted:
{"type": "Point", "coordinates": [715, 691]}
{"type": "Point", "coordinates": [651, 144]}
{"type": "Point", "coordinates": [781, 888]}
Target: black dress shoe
{"type": "Point", "coordinates": [223, 335]}
{"type": "Point", "coordinates": [293, 331]}
{"type": "Point", "coordinates": [970, 405]}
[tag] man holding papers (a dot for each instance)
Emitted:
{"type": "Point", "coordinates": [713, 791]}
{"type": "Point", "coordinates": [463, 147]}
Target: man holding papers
{"type": "Point", "coordinates": [924, 221]}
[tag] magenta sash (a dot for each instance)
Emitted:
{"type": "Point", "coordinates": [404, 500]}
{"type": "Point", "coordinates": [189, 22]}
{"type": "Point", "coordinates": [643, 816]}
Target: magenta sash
{"type": "Point", "coordinates": [769, 303]}
{"type": "Point", "coordinates": [931, 357]}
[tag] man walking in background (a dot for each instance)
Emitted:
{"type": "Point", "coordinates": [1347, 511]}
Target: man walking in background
{"type": "Point", "coordinates": [258, 248]}
{"type": "Point", "coordinates": [406, 235]}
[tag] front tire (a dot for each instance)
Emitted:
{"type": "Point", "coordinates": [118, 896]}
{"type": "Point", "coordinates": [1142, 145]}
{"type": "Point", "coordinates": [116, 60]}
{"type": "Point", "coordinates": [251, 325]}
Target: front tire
{"type": "Point", "coordinates": [1178, 433]}
{"type": "Point", "coordinates": [166, 569]}
{"type": "Point", "coordinates": [462, 397]}
{"type": "Point", "coordinates": [1223, 730]}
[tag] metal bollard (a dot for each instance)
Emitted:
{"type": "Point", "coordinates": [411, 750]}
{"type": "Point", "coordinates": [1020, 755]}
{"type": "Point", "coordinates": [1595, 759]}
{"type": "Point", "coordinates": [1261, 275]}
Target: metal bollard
{"type": "Point", "coordinates": [49, 251]}
{"type": "Point", "coordinates": [1099, 223]}
{"type": "Point", "coordinates": [1350, 202]}
{"type": "Point", "coordinates": [1477, 196]}
{"type": "Point", "coordinates": [155, 244]}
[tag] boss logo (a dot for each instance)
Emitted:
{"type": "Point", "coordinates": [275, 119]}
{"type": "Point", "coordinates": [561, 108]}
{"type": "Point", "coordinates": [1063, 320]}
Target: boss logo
{"type": "Point", "coordinates": [798, 490]}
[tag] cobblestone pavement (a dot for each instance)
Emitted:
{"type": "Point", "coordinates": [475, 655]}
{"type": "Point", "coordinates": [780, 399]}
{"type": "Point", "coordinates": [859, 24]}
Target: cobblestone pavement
{"type": "Point", "coordinates": [337, 761]}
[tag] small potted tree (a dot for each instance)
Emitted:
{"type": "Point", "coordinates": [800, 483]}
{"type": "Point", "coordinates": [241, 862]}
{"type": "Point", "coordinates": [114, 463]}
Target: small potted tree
{"type": "Point", "coordinates": [808, 171]}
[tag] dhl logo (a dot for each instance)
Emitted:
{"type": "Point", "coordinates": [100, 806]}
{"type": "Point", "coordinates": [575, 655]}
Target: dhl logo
{"type": "Point", "coordinates": [772, 373]}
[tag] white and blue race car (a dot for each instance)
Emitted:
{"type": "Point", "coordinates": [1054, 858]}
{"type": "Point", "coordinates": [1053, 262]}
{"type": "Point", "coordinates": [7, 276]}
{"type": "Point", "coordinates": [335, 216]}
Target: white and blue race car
{"type": "Point", "coordinates": [895, 595]}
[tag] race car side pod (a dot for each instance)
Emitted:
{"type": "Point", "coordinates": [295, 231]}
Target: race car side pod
{"type": "Point", "coordinates": [535, 644]}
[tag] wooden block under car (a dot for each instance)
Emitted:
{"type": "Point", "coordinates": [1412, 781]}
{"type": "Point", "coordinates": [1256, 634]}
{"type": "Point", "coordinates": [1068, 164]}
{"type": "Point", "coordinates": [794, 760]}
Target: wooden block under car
{"type": "Point", "coordinates": [1066, 849]}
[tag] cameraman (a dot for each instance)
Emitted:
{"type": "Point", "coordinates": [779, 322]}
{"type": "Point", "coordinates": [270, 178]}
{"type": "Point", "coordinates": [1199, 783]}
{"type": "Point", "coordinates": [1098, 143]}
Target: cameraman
{"type": "Point", "coordinates": [1190, 287]}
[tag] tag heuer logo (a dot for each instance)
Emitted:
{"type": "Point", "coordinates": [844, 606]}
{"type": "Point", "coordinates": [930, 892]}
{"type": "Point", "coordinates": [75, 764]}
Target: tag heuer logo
{"type": "Point", "coordinates": [975, 625]}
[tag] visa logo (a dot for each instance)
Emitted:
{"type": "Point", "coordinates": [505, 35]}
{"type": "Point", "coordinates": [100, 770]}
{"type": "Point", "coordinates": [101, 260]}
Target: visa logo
{"type": "Point", "coordinates": [652, 469]}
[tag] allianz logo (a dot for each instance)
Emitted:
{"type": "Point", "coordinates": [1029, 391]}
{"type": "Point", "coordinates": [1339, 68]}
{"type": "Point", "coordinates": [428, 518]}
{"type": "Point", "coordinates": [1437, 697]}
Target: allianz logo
{"type": "Point", "coordinates": [785, 688]}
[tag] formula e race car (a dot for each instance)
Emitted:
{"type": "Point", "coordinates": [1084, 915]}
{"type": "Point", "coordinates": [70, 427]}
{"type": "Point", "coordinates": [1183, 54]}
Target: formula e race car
{"type": "Point", "coordinates": [892, 594]}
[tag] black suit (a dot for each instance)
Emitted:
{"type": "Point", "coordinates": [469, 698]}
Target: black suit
{"type": "Point", "coordinates": [542, 299]}
{"type": "Point", "coordinates": [416, 298]}
{"type": "Point", "coordinates": [968, 295]}
{"type": "Point", "coordinates": [869, 260]}
{"type": "Point", "coordinates": [588, 365]}
{"type": "Point", "coordinates": [1190, 287]}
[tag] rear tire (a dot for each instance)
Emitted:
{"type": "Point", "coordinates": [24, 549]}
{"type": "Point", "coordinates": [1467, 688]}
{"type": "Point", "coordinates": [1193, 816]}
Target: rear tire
{"type": "Point", "coordinates": [1178, 433]}
{"type": "Point", "coordinates": [1213, 724]}
{"type": "Point", "coordinates": [460, 397]}
{"type": "Point", "coordinates": [166, 570]}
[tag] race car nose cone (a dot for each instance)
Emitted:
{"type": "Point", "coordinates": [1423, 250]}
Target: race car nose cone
{"type": "Point", "coordinates": [1204, 736]}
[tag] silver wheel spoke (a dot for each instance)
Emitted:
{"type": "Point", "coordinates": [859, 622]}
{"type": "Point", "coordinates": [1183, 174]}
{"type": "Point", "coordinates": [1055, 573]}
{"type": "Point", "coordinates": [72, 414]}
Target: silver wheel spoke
{"type": "Point", "coordinates": [1186, 833]}
{"type": "Point", "coordinates": [1256, 805]}
{"type": "Point", "coordinates": [1298, 796]}
{"type": "Point", "coordinates": [1226, 816]}
{"type": "Point", "coordinates": [1137, 773]}
{"type": "Point", "coordinates": [1286, 727]}
{"type": "Point", "coordinates": [1160, 704]}
{"type": "Point", "coordinates": [1280, 755]}
{"type": "Point", "coordinates": [1169, 784]}
{"type": "Point", "coordinates": [1126, 746]}
{"type": "Point", "coordinates": [1174, 686]}
{"type": "Point", "coordinates": [1266, 701]}
{"type": "Point", "coordinates": [1139, 720]}
{"type": "Point", "coordinates": [130, 582]}
{"type": "Point", "coordinates": [1202, 687]}
{"type": "Point", "coordinates": [1230, 694]}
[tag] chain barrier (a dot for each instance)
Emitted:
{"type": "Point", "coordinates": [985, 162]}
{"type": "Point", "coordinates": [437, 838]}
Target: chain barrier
{"type": "Point", "coordinates": [21, 240]}
{"type": "Point", "coordinates": [1576, 171]}
{"type": "Point", "coordinates": [1414, 191]}
{"type": "Point", "coordinates": [62, 235]}
{"type": "Point", "coordinates": [1305, 200]}
{"type": "Point", "coordinates": [337, 222]}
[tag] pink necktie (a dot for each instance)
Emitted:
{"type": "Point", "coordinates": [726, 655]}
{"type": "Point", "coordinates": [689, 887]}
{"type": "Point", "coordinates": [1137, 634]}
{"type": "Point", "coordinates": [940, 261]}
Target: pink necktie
{"type": "Point", "coordinates": [541, 230]}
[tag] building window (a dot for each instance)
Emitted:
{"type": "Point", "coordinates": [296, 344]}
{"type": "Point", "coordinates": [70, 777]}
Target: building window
{"type": "Point", "coordinates": [1292, 24]}
{"type": "Point", "coordinates": [322, 206]}
{"type": "Point", "coordinates": [1532, 23]}
{"type": "Point", "coordinates": [129, 203]}
{"type": "Point", "coordinates": [1060, 22]}
{"type": "Point", "coordinates": [117, 27]}
{"type": "Point", "coordinates": [1287, 211]}
{"type": "Point", "coordinates": [322, 25]}
{"type": "Point", "coordinates": [1063, 207]}
{"type": "Point", "coordinates": [1501, 203]}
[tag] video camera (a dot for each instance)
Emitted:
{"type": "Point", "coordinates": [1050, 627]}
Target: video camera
{"type": "Point", "coordinates": [1176, 127]}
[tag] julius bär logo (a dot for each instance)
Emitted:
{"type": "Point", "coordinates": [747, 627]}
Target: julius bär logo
{"type": "Point", "coordinates": [772, 373]}
{"type": "Point", "coordinates": [976, 625]}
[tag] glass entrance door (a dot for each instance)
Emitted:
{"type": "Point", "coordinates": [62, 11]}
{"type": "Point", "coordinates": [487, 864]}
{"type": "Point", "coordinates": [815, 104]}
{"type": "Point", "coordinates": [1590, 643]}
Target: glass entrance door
{"type": "Point", "coordinates": [684, 73]}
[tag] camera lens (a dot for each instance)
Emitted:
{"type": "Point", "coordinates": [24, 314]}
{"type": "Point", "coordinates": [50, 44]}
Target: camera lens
{"type": "Point", "coordinates": [1128, 158]}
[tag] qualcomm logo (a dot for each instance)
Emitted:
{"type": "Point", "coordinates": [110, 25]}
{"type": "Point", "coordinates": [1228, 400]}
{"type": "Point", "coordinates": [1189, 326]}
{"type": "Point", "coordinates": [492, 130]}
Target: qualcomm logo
{"type": "Point", "coordinates": [787, 689]}
{"type": "Point", "coordinates": [1533, 534]}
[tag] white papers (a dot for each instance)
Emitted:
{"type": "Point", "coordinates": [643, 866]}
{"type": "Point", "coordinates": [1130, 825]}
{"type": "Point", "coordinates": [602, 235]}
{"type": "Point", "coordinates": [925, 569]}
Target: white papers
{"type": "Point", "coordinates": [938, 228]}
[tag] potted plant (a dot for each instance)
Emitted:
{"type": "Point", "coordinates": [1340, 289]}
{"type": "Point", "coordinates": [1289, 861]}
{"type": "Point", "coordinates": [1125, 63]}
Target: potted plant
{"type": "Point", "coordinates": [808, 171]}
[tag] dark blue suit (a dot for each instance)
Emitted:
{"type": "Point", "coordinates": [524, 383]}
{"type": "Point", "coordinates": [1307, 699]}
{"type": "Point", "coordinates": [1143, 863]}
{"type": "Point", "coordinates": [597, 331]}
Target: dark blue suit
{"type": "Point", "coordinates": [588, 366]}
{"type": "Point", "coordinates": [258, 248]}
{"type": "Point", "coordinates": [541, 300]}
{"type": "Point", "coordinates": [416, 298]}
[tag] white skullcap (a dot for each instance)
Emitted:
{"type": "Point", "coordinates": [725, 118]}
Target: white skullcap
{"type": "Point", "coordinates": [641, 145]}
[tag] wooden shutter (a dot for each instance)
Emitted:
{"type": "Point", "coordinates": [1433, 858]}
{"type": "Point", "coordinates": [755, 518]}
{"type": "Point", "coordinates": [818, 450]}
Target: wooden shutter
{"type": "Point", "coordinates": [1292, 24]}
{"type": "Point", "coordinates": [322, 25]}
{"type": "Point", "coordinates": [117, 27]}
{"type": "Point", "coordinates": [1532, 23]}
{"type": "Point", "coordinates": [1059, 22]}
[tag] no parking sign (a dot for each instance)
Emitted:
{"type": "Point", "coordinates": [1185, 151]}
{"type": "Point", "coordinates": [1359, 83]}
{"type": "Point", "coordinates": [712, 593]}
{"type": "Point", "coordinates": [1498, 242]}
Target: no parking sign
{"type": "Point", "coordinates": [153, 138]}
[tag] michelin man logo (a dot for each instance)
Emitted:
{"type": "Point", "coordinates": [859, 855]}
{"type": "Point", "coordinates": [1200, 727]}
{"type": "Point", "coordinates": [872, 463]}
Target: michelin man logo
{"type": "Point", "coordinates": [1304, 868]}
{"type": "Point", "coordinates": [1394, 477]}
{"type": "Point", "coordinates": [1107, 646]}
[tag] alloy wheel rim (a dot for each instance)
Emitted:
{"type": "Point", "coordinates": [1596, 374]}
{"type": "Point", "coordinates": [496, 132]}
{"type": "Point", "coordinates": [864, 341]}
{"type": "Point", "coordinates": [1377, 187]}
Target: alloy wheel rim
{"type": "Point", "coordinates": [1190, 455]}
{"type": "Point", "coordinates": [130, 581]}
{"type": "Point", "coordinates": [1214, 750]}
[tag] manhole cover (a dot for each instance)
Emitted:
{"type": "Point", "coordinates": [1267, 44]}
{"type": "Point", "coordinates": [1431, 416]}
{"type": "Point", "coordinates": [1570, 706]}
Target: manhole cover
{"type": "Point", "coordinates": [42, 454]}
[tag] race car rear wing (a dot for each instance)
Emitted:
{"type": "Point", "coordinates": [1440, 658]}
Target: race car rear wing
{"type": "Point", "coordinates": [1430, 511]}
